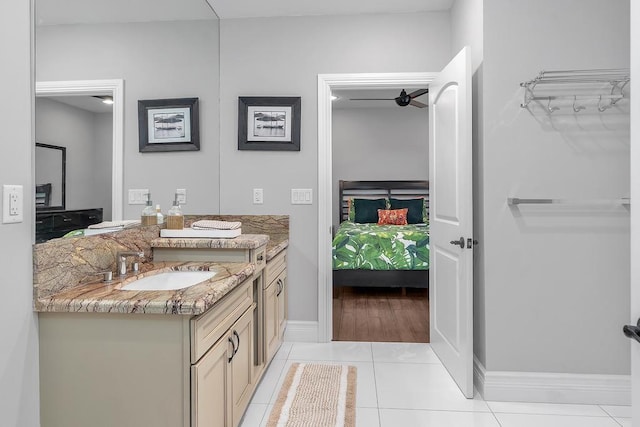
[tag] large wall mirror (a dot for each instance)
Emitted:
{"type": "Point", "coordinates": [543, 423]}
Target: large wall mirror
{"type": "Point", "coordinates": [155, 49]}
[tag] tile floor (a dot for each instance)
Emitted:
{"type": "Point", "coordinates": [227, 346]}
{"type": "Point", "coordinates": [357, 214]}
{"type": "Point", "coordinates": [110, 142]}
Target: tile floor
{"type": "Point", "coordinates": [405, 385]}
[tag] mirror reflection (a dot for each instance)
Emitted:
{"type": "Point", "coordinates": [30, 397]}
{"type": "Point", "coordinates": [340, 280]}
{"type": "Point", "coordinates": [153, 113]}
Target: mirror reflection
{"type": "Point", "coordinates": [149, 45]}
{"type": "Point", "coordinates": [50, 176]}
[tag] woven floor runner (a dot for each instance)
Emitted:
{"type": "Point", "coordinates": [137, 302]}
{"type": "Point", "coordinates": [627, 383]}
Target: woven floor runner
{"type": "Point", "coordinates": [314, 395]}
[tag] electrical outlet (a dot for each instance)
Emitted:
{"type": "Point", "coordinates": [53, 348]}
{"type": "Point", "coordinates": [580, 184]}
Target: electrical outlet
{"type": "Point", "coordinates": [12, 204]}
{"type": "Point", "coordinates": [258, 196]}
{"type": "Point", "coordinates": [182, 195]}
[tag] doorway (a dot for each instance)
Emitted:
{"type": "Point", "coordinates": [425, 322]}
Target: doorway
{"type": "Point", "coordinates": [380, 139]}
{"type": "Point", "coordinates": [327, 83]}
{"type": "Point", "coordinates": [450, 208]}
{"type": "Point", "coordinates": [115, 90]}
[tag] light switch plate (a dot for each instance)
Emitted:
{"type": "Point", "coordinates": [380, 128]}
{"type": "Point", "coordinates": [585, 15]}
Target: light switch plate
{"type": "Point", "coordinates": [182, 196]}
{"type": "Point", "coordinates": [12, 204]}
{"type": "Point", "coordinates": [301, 196]}
{"type": "Point", "coordinates": [138, 196]}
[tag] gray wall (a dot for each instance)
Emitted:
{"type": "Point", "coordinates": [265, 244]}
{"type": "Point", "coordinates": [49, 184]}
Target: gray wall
{"type": "Point", "coordinates": [379, 143]}
{"type": "Point", "coordinates": [635, 194]}
{"type": "Point", "coordinates": [86, 169]}
{"type": "Point", "coordinates": [560, 276]}
{"type": "Point", "coordinates": [19, 401]}
{"type": "Point", "coordinates": [156, 60]}
{"type": "Point", "coordinates": [310, 46]}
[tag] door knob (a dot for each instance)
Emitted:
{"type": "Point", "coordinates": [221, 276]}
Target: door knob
{"type": "Point", "coordinates": [632, 331]}
{"type": "Point", "coordinates": [458, 242]}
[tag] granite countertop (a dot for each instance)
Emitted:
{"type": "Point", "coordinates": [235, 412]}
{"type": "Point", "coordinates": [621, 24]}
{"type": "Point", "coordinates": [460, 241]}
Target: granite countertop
{"type": "Point", "coordinates": [100, 297]}
{"type": "Point", "coordinates": [243, 241]}
{"type": "Point", "coordinates": [275, 243]}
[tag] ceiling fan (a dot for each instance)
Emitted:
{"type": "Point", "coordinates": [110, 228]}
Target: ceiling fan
{"type": "Point", "coordinates": [402, 100]}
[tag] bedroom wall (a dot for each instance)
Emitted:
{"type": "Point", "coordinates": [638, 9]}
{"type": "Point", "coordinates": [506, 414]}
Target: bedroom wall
{"type": "Point", "coordinates": [67, 126]}
{"type": "Point", "coordinates": [102, 158]}
{"type": "Point", "coordinates": [379, 143]}
{"type": "Point", "coordinates": [556, 279]}
{"type": "Point", "coordinates": [19, 395]}
{"type": "Point", "coordinates": [189, 67]}
{"type": "Point", "coordinates": [310, 46]}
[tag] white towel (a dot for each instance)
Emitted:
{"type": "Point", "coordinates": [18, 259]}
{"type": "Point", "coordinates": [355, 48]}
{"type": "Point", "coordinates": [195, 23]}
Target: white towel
{"type": "Point", "coordinates": [115, 224]}
{"type": "Point", "coordinates": [209, 224]}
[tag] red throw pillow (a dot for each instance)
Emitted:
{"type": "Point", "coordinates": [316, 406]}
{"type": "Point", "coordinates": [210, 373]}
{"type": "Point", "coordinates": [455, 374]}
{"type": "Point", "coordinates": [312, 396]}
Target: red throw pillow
{"type": "Point", "coordinates": [392, 216]}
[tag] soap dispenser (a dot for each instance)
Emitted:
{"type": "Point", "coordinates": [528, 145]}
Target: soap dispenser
{"type": "Point", "coordinates": [175, 219]}
{"type": "Point", "coordinates": [149, 215]}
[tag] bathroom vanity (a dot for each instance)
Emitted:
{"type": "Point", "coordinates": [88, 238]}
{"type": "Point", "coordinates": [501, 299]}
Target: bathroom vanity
{"type": "Point", "coordinates": [187, 357]}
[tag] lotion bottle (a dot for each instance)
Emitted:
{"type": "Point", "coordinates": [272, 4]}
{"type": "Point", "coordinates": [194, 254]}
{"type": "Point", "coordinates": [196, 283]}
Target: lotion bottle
{"type": "Point", "coordinates": [149, 215]}
{"type": "Point", "coordinates": [175, 219]}
{"type": "Point", "coordinates": [159, 215]}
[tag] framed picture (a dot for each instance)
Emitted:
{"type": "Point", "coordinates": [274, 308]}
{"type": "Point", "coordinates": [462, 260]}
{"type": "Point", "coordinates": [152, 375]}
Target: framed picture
{"type": "Point", "coordinates": [168, 125]}
{"type": "Point", "coordinates": [269, 123]}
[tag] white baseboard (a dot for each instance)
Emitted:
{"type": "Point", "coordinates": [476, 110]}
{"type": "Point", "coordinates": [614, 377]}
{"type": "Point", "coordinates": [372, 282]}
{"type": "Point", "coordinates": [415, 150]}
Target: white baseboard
{"type": "Point", "coordinates": [588, 389]}
{"type": "Point", "coordinates": [301, 331]}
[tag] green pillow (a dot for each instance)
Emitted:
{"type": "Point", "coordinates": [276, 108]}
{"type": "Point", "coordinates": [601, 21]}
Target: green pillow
{"type": "Point", "coordinates": [417, 209]}
{"type": "Point", "coordinates": [366, 210]}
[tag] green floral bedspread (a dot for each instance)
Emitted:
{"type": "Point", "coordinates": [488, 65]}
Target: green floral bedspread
{"type": "Point", "coordinates": [381, 247]}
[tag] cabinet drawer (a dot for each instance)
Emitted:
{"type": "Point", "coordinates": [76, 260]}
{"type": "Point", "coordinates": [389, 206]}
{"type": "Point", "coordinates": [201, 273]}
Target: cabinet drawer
{"type": "Point", "coordinates": [75, 220]}
{"type": "Point", "coordinates": [275, 267]}
{"type": "Point", "coordinates": [207, 328]}
{"type": "Point", "coordinates": [259, 257]}
{"type": "Point", "coordinates": [44, 222]}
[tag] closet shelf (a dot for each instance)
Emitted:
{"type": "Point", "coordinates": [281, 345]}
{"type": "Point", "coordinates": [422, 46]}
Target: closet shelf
{"type": "Point", "coordinates": [515, 201]}
{"type": "Point", "coordinates": [607, 86]}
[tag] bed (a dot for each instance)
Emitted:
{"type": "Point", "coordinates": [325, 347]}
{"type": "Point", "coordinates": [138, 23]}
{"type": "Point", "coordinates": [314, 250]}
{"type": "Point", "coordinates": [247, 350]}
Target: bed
{"type": "Point", "coordinates": [365, 253]}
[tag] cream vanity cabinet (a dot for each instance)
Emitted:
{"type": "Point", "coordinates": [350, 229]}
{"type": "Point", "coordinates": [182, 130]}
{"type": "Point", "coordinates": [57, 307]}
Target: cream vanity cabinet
{"type": "Point", "coordinates": [222, 377]}
{"type": "Point", "coordinates": [275, 303]}
{"type": "Point", "coordinates": [131, 370]}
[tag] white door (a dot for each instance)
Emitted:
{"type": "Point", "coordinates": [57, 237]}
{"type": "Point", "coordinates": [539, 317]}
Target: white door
{"type": "Point", "coordinates": [451, 220]}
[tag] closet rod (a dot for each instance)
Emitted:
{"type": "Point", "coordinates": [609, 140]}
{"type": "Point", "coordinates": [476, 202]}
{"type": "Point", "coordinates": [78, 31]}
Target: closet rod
{"type": "Point", "coordinates": [515, 201]}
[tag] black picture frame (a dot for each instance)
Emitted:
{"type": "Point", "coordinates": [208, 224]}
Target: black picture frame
{"type": "Point", "coordinates": [168, 125]}
{"type": "Point", "coordinates": [269, 123]}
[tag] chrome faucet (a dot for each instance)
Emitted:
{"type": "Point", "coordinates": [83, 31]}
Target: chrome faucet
{"type": "Point", "coordinates": [121, 260]}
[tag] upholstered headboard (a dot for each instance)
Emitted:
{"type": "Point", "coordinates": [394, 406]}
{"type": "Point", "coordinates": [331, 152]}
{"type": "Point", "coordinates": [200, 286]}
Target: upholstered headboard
{"type": "Point", "coordinates": [379, 189]}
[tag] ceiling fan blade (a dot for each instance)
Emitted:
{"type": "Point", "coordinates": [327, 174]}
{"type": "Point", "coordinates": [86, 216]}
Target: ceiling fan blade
{"type": "Point", "coordinates": [370, 99]}
{"type": "Point", "coordinates": [417, 104]}
{"type": "Point", "coordinates": [418, 93]}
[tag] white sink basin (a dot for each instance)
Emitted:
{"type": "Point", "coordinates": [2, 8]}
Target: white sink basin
{"type": "Point", "coordinates": [169, 281]}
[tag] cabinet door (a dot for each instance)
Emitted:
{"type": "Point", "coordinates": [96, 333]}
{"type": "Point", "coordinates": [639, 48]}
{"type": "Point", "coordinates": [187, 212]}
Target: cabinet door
{"type": "Point", "coordinates": [271, 328]}
{"type": "Point", "coordinates": [210, 404]}
{"type": "Point", "coordinates": [282, 305]}
{"type": "Point", "coordinates": [242, 365]}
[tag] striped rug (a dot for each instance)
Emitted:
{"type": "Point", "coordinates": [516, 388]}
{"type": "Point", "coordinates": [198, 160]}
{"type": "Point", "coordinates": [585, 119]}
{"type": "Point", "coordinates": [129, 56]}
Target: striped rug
{"type": "Point", "coordinates": [315, 395]}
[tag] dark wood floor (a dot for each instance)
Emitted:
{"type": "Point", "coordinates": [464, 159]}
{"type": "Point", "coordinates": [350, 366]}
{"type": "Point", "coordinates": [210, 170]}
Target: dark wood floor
{"type": "Point", "coordinates": [380, 314]}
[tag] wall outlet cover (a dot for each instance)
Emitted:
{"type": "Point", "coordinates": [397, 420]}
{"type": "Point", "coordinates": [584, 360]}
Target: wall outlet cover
{"type": "Point", "coordinates": [258, 196]}
{"type": "Point", "coordinates": [12, 204]}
